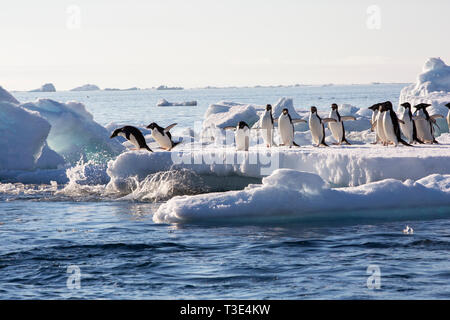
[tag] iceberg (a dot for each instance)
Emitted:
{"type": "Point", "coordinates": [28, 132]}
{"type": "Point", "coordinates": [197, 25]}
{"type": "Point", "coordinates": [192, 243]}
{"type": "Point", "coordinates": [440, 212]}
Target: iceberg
{"type": "Point", "coordinates": [5, 96]}
{"type": "Point", "coordinates": [301, 195]}
{"type": "Point", "coordinates": [23, 142]}
{"type": "Point", "coordinates": [165, 103]}
{"type": "Point", "coordinates": [342, 166]}
{"type": "Point", "coordinates": [432, 86]}
{"type": "Point", "coordinates": [74, 132]}
{"type": "Point", "coordinates": [86, 87]}
{"type": "Point", "coordinates": [48, 87]}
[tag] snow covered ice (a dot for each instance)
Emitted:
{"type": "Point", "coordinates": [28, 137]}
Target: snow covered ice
{"type": "Point", "coordinates": [288, 192]}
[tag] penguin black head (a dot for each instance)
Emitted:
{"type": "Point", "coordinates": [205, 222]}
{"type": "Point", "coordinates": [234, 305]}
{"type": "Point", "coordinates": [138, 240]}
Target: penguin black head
{"type": "Point", "coordinates": [268, 107]}
{"type": "Point", "coordinates": [242, 124]}
{"type": "Point", "coordinates": [448, 105]}
{"type": "Point", "coordinates": [313, 109]}
{"type": "Point", "coordinates": [387, 105]}
{"type": "Point", "coordinates": [152, 126]}
{"type": "Point", "coordinates": [375, 107]}
{"type": "Point", "coordinates": [422, 106]}
{"type": "Point", "coordinates": [115, 133]}
{"type": "Point", "coordinates": [285, 111]}
{"type": "Point", "coordinates": [334, 106]}
{"type": "Point", "coordinates": [406, 105]}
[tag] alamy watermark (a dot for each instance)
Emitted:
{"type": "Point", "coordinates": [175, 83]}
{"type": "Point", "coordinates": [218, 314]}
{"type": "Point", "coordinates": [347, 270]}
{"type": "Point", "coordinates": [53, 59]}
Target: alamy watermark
{"type": "Point", "coordinates": [74, 278]}
{"type": "Point", "coordinates": [374, 280]}
{"type": "Point", "coordinates": [217, 147]}
{"type": "Point", "coordinates": [73, 21]}
{"type": "Point", "coordinates": [373, 21]}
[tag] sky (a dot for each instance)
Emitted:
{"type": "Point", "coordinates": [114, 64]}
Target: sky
{"type": "Point", "coordinates": [121, 44]}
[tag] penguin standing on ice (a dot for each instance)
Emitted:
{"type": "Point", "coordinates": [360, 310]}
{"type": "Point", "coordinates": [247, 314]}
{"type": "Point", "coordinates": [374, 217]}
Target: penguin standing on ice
{"type": "Point", "coordinates": [286, 128]}
{"type": "Point", "coordinates": [266, 124]}
{"type": "Point", "coordinates": [379, 125]}
{"type": "Point", "coordinates": [241, 135]}
{"type": "Point", "coordinates": [375, 109]}
{"type": "Point", "coordinates": [408, 126]}
{"type": "Point", "coordinates": [448, 115]}
{"type": "Point", "coordinates": [316, 125]}
{"type": "Point", "coordinates": [391, 125]}
{"type": "Point", "coordinates": [337, 128]}
{"type": "Point", "coordinates": [132, 134]}
{"type": "Point", "coordinates": [162, 136]}
{"type": "Point", "coordinates": [424, 123]}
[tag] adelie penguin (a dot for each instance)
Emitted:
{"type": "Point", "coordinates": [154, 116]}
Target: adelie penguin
{"type": "Point", "coordinates": [408, 126]}
{"type": "Point", "coordinates": [267, 125]}
{"type": "Point", "coordinates": [132, 134]}
{"type": "Point", "coordinates": [391, 125]}
{"type": "Point", "coordinates": [424, 123]}
{"type": "Point", "coordinates": [162, 136]}
{"type": "Point", "coordinates": [375, 110]}
{"type": "Point", "coordinates": [286, 128]}
{"type": "Point", "coordinates": [448, 115]}
{"type": "Point", "coordinates": [316, 125]}
{"type": "Point", "coordinates": [241, 135]}
{"type": "Point", "coordinates": [337, 128]}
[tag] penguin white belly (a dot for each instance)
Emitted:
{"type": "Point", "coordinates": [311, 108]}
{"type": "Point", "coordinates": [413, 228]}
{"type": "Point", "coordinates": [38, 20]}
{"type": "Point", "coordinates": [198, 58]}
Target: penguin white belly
{"type": "Point", "coordinates": [163, 140]}
{"type": "Point", "coordinates": [242, 137]}
{"type": "Point", "coordinates": [267, 129]}
{"type": "Point", "coordinates": [132, 139]}
{"type": "Point", "coordinates": [316, 129]}
{"type": "Point", "coordinates": [380, 127]}
{"type": "Point", "coordinates": [407, 127]}
{"type": "Point", "coordinates": [374, 118]}
{"type": "Point", "coordinates": [389, 128]}
{"type": "Point", "coordinates": [286, 131]}
{"type": "Point", "coordinates": [336, 128]}
{"type": "Point", "coordinates": [423, 131]}
{"type": "Point", "coordinates": [448, 120]}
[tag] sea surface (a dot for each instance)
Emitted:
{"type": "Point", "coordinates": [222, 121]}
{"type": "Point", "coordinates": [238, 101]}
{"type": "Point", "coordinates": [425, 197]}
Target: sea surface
{"type": "Point", "coordinates": [89, 247]}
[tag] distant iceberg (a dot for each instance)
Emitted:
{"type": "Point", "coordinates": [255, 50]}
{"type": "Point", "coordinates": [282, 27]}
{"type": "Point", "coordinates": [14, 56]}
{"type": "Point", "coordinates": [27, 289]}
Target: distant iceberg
{"type": "Point", "coordinates": [165, 103]}
{"type": "Point", "coordinates": [86, 87]}
{"type": "Point", "coordinates": [162, 87]}
{"type": "Point", "coordinates": [48, 87]}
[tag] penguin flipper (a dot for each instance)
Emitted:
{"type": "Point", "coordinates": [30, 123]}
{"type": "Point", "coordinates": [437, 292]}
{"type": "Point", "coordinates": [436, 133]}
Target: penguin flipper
{"type": "Point", "coordinates": [325, 120]}
{"type": "Point", "coordinates": [166, 129]}
{"type": "Point", "coordinates": [347, 118]}
{"type": "Point", "coordinates": [437, 116]}
{"type": "Point", "coordinates": [298, 121]}
{"type": "Point", "coordinates": [401, 121]}
{"type": "Point", "coordinates": [295, 144]}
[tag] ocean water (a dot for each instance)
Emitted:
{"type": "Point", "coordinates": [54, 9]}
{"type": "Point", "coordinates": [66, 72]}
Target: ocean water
{"type": "Point", "coordinates": [83, 244]}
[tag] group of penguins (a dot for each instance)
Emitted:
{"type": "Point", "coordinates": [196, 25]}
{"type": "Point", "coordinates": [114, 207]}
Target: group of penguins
{"type": "Point", "coordinates": [417, 128]}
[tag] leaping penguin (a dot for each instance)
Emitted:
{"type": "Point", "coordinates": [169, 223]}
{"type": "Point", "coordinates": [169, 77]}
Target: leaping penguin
{"type": "Point", "coordinates": [391, 125]}
{"type": "Point", "coordinates": [286, 128]}
{"type": "Point", "coordinates": [316, 125]}
{"type": "Point", "coordinates": [424, 123]}
{"type": "Point", "coordinates": [408, 126]}
{"type": "Point", "coordinates": [162, 136]}
{"type": "Point", "coordinates": [337, 128]}
{"type": "Point", "coordinates": [241, 136]}
{"type": "Point", "coordinates": [132, 134]}
{"type": "Point", "coordinates": [267, 125]}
